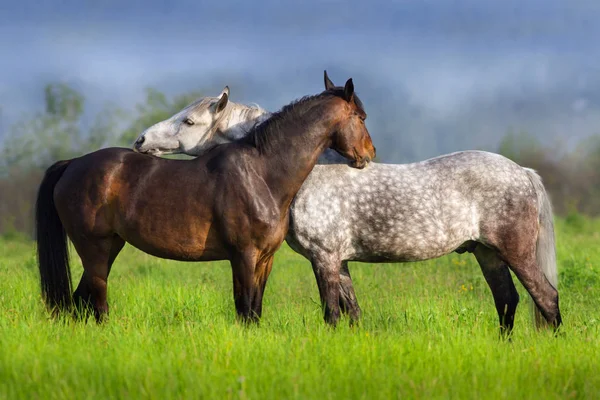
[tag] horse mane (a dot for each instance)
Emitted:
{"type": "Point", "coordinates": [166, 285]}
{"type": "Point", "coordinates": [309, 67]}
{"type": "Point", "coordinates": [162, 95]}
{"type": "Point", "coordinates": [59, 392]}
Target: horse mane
{"type": "Point", "coordinates": [263, 134]}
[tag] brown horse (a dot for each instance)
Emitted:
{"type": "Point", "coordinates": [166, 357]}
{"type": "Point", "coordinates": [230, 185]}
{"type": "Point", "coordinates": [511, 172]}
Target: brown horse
{"type": "Point", "coordinates": [230, 204]}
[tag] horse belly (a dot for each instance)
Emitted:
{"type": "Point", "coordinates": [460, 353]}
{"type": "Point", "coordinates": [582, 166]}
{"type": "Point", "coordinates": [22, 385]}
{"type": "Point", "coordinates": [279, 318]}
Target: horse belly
{"type": "Point", "coordinates": [404, 250]}
{"type": "Point", "coordinates": [413, 237]}
{"type": "Point", "coordinates": [190, 240]}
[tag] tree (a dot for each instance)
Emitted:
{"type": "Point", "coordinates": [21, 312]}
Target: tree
{"type": "Point", "coordinates": [39, 140]}
{"type": "Point", "coordinates": [62, 131]}
{"type": "Point", "coordinates": [156, 108]}
{"type": "Point", "coordinates": [57, 133]}
{"type": "Point", "coordinates": [521, 146]}
{"type": "Point", "coordinates": [572, 177]}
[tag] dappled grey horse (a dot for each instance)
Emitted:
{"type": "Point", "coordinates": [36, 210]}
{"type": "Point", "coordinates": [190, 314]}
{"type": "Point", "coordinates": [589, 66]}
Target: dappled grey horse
{"type": "Point", "coordinates": [469, 201]}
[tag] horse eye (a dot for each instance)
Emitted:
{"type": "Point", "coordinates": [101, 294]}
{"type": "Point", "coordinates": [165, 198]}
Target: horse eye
{"type": "Point", "coordinates": [188, 122]}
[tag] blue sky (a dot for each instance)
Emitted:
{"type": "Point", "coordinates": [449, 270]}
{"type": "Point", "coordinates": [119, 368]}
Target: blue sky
{"type": "Point", "coordinates": [444, 75]}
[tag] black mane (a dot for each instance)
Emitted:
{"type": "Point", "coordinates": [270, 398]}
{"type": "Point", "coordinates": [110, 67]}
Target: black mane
{"type": "Point", "coordinates": [264, 133]}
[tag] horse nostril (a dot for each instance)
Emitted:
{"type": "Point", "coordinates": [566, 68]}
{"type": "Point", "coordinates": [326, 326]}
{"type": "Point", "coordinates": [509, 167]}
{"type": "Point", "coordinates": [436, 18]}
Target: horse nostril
{"type": "Point", "coordinates": [140, 140]}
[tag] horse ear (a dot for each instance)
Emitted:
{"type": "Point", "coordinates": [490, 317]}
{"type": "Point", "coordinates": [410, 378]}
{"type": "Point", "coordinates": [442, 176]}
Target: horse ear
{"type": "Point", "coordinates": [349, 90]}
{"type": "Point", "coordinates": [328, 84]}
{"type": "Point", "coordinates": [223, 100]}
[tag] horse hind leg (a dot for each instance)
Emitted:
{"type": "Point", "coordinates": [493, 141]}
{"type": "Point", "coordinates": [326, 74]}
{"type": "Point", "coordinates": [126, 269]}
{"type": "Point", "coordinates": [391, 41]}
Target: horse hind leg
{"type": "Point", "coordinates": [82, 297]}
{"type": "Point", "coordinates": [97, 257]}
{"type": "Point", "coordinates": [519, 251]}
{"type": "Point", "coordinates": [541, 291]}
{"type": "Point", "coordinates": [348, 301]}
{"type": "Point", "coordinates": [328, 280]}
{"type": "Point", "coordinates": [503, 289]}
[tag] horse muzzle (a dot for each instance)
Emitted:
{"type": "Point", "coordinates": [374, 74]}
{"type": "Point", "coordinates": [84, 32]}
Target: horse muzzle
{"type": "Point", "coordinates": [362, 162]}
{"type": "Point", "coordinates": [137, 145]}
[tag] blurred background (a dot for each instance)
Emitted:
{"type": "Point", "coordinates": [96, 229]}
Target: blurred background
{"type": "Point", "coordinates": [517, 77]}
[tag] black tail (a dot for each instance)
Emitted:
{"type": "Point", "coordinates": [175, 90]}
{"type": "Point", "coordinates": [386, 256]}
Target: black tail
{"type": "Point", "coordinates": [52, 249]}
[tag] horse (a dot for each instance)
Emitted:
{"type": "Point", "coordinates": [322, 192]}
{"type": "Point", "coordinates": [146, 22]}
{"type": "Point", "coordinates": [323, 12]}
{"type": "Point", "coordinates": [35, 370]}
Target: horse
{"type": "Point", "coordinates": [231, 203]}
{"type": "Point", "coordinates": [469, 201]}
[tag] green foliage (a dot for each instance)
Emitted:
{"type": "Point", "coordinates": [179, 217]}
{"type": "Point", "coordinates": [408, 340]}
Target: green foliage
{"type": "Point", "coordinates": [429, 330]}
{"type": "Point", "coordinates": [156, 108]}
{"type": "Point", "coordinates": [518, 146]}
{"type": "Point", "coordinates": [575, 221]}
{"type": "Point", "coordinates": [581, 266]}
{"type": "Point", "coordinates": [10, 233]}
{"type": "Point", "coordinates": [570, 175]}
{"type": "Point", "coordinates": [63, 131]}
{"type": "Point", "coordinates": [63, 102]}
{"type": "Point", "coordinates": [60, 132]}
{"type": "Point", "coordinates": [57, 133]}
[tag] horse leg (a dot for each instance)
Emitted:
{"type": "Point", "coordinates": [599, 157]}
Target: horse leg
{"type": "Point", "coordinates": [261, 274]}
{"type": "Point", "coordinates": [541, 291]}
{"type": "Point", "coordinates": [97, 258]}
{"type": "Point", "coordinates": [328, 280]}
{"type": "Point", "coordinates": [82, 297]}
{"type": "Point", "coordinates": [243, 266]}
{"type": "Point", "coordinates": [503, 289]}
{"type": "Point", "coordinates": [521, 259]}
{"type": "Point", "coordinates": [348, 302]}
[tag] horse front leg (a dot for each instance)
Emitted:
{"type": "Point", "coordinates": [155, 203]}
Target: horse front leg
{"type": "Point", "coordinates": [244, 288]}
{"type": "Point", "coordinates": [328, 280]}
{"type": "Point", "coordinates": [261, 274]}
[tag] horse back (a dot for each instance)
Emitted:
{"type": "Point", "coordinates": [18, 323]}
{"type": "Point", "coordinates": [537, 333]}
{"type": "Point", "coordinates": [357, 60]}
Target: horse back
{"type": "Point", "coordinates": [138, 197]}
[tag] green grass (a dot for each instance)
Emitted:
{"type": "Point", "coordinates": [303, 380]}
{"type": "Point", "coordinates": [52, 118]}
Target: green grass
{"type": "Point", "coordinates": [428, 331]}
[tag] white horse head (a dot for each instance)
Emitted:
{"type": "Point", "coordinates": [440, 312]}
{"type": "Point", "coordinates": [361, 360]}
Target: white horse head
{"type": "Point", "coordinates": [206, 122]}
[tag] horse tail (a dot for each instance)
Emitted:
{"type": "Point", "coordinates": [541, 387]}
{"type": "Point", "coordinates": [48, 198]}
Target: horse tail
{"type": "Point", "coordinates": [52, 249]}
{"type": "Point", "coordinates": [546, 247]}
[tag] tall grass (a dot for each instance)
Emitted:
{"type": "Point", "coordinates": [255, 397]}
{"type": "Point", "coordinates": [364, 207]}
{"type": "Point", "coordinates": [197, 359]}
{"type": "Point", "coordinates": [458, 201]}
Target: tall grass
{"type": "Point", "coordinates": [429, 330]}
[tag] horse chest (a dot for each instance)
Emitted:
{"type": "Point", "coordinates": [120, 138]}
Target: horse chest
{"type": "Point", "coordinates": [252, 219]}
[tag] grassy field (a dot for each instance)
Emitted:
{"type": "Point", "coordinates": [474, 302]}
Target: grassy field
{"type": "Point", "coordinates": [428, 331]}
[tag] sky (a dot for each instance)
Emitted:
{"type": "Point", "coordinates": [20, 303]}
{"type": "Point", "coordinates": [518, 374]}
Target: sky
{"type": "Point", "coordinates": [435, 75]}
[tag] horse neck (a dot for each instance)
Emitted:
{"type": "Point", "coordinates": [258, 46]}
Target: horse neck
{"type": "Point", "coordinates": [241, 119]}
{"type": "Point", "coordinates": [331, 156]}
{"type": "Point", "coordinates": [291, 155]}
